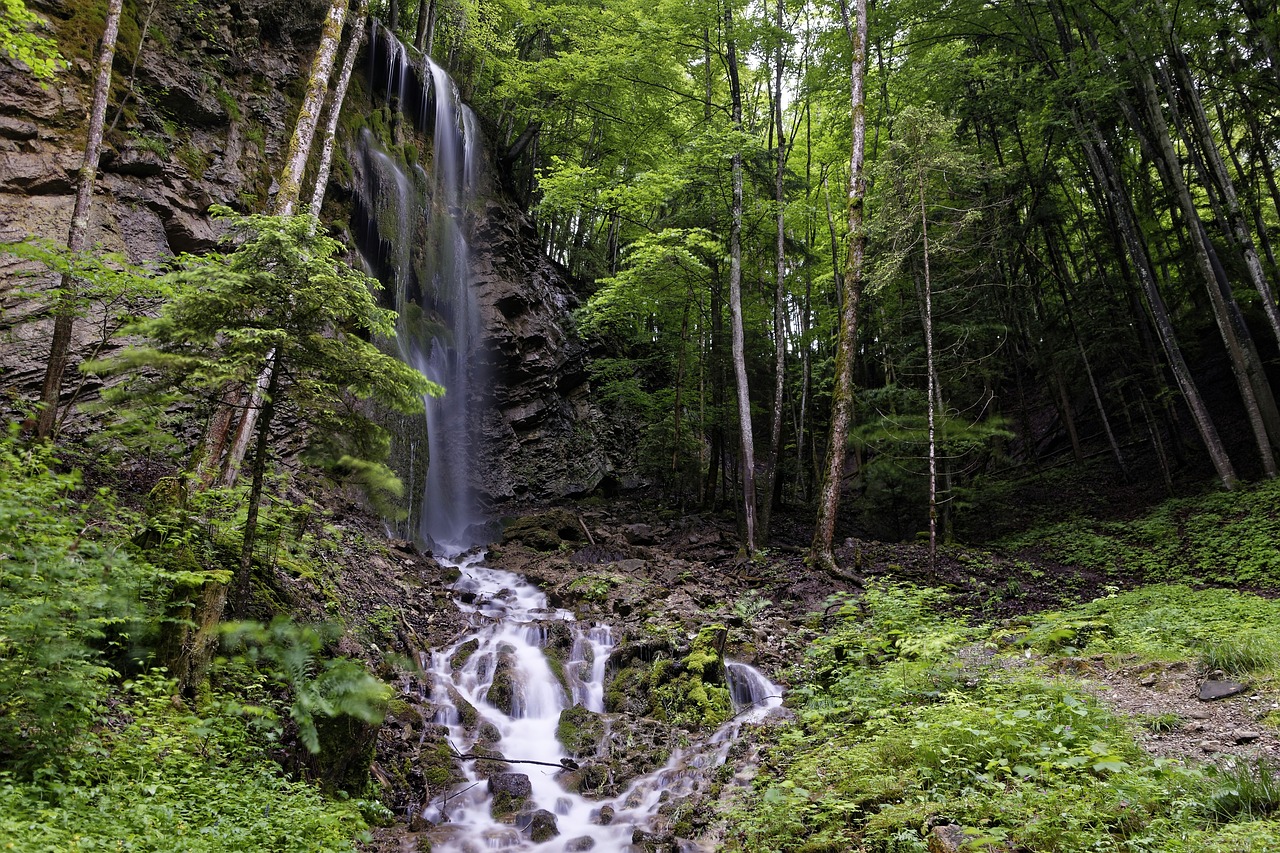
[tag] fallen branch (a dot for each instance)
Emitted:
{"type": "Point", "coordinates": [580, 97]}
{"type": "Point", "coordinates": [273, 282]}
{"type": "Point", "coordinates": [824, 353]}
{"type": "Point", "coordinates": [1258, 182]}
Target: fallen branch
{"type": "Point", "coordinates": [565, 763]}
{"type": "Point", "coordinates": [590, 539]}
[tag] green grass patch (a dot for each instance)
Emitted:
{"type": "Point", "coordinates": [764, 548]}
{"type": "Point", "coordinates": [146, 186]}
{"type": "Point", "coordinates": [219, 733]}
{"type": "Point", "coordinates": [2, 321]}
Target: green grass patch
{"type": "Point", "coordinates": [1217, 628]}
{"type": "Point", "coordinates": [154, 777]}
{"type": "Point", "coordinates": [905, 720]}
{"type": "Point", "coordinates": [1224, 538]}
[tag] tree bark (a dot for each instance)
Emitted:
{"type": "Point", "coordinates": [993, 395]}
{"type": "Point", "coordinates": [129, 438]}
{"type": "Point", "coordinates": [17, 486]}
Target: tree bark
{"type": "Point", "coordinates": [67, 291]}
{"type": "Point", "coordinates": [335, 107]}
{"type": "Point", "coordinates": [304, 130]}
{"type": "Point", "coordinates": [933, 392]}
{"type": "Point", "coordinates": [244, 591]}
{"type": "Point", "coordinates": [1247, 370]}
{"type": "Point", "coordinates": [746, 440]}
{"type": "Point", "coordinates": [851, 292]}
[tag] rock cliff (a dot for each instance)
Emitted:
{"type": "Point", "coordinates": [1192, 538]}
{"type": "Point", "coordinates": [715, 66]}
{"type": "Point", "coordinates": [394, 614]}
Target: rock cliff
{"type": "Point", "coordinates": [204, 109]}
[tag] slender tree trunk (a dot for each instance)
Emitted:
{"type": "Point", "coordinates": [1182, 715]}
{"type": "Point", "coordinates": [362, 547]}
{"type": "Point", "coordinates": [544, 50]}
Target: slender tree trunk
{"type": "Point", "coordinates": [335, 108]}
{"type": "Point", "coordinates": [304, 130]}
{"type": "Point", "coordinates": [1254, 389]}
{"type": "Point", "coordinates": [67, 291]}
{"type": "Point", "coordinates": [933, 392]}
{"type": "Point", "coordinates": [426, 26]}
{"type": "Point", "coordinates": [780, 291]}
{"type": "Point", "coordinates": [851, 291]}
{"type": "Point", "coordinates": [244, 589]}
{"type": "Point", "coordinates": [1221, 178]}
{"type": "Point", "coordinates": [746, 440]}
{"type": "Point", "coordinates": [1104, 167]}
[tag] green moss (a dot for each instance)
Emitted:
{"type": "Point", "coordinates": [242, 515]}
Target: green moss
{"type": "Point", "coordinates": [463, 654]}
{"type": "Point", "coordinates": [580, 731]}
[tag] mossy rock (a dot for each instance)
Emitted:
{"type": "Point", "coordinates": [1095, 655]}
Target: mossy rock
{"type": "Point", "coordinates": [463, 654]}
{"type": "Point", "coordinates": [509, 792]}
{"type": "Point", "coordinates": [544, 531]}
{"type": "Point", "coordinates": [694, 693]}
{"type": "Point", "coordinates": [580, 731]}
{"type": "Point", "coordinates": [504, 689]}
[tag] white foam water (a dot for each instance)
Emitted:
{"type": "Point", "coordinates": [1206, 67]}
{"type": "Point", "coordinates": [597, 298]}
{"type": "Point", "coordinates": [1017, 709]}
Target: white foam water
{"type": "Point", "coordinates": [510, 626]}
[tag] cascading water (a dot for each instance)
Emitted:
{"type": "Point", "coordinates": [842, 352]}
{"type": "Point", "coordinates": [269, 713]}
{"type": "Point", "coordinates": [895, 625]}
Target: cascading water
{"type": "Point", "coordinates": [439, 327]}
{"type": "Point", "coordinates": [497, 691]}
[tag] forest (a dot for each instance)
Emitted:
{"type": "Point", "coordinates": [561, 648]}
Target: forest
{"type": "Point", "coordinates": [620, 426]}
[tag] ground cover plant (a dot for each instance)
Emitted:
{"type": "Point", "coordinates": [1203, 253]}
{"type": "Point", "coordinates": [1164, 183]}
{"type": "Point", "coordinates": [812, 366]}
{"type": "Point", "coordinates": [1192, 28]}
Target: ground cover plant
{"type": "Point", "coordinates": [907, 721]}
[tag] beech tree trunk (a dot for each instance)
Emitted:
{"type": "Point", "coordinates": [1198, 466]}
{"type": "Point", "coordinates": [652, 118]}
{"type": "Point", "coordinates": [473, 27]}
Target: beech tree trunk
{"type": "Point", "coordinates": [1103, 166]}
{"type": "Point", "coordinates": [1254, 390]}
{"type": "Point", "coordinates": [335, 107]}
{"type": "Point", "coordinates": [67, 290]}
{"type": "Point", "coordinates": [747, 454]}
{"type": "Point", "coordinates": [851, 292]}
{"type": "Point", "coordinates": [304, 130]}
{"type": "Point", "coordinates": [933, 392]}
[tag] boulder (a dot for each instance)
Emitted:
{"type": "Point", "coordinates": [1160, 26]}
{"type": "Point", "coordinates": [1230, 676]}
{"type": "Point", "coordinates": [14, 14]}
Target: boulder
{"type": "Point", "coordinates": [509, 792]}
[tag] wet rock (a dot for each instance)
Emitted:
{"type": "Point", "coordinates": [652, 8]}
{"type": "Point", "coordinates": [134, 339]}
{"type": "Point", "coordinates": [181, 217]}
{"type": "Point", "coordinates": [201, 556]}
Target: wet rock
{"type": "Point", "coordinates": [654, 842]}
{"type": "Point", "coordinates": [605, 816]}
{"type": "Point", "coordinates": [1213, 690]}
{"type": "Point", "coordinates": [575, 845]}
{"type": "Point", "coordinates": [510, 792]}
{"type": "Point", "coordinates": [504, 690]}
{"type": "Point", "coordinates": [580, 731]}
{"type": "Point", "coordinates": [464, 652]}
{"type": "Point", "coordinates": [947, 838]}
{"type": "Point", "coordinates": [541, 825]}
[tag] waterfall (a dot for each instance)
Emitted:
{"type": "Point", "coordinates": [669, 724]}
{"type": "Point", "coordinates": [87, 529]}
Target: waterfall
{"type": "Point", "coordinates": [414, 238]}
{"type": "Point", "coordinates": [495, 689]}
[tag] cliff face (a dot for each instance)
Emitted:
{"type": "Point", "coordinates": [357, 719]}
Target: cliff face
{"type": "Point", "coordinates": [206, 116]}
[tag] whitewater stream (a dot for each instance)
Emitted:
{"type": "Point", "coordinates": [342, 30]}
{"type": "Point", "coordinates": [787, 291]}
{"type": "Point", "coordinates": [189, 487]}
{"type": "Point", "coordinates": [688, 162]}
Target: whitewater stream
{"type": "Point", "coordinates": [509, 619]}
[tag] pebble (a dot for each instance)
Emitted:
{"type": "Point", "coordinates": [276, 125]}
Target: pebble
{"type": "Point", "coordinates": [1210, 746]}
{"type": "Point", "coordinates": [1243, 736]}
{"type": "Point", "coordinates": [1149, 681]}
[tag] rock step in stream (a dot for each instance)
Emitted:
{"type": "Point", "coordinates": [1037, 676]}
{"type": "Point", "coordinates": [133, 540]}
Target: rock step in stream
{"type": "Point", "coordinates": [527, 684]}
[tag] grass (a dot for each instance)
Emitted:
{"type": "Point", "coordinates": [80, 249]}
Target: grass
{"type": "Point", "coordinates": [904, 722]}
{"type": "Point", "coordinates": [1225, 538]}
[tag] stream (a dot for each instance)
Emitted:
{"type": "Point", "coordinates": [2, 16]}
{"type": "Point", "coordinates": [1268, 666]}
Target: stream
{"type": "Point", "coordinates": [518, 698]}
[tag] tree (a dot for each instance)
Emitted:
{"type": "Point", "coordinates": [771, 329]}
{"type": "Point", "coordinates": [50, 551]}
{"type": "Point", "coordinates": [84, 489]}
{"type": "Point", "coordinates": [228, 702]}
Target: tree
{"type": "Point", "coordinates": [67, 303]}
{"type": "Point", "coordinates": [284, 290]}
{"type": "Point", "coordinates": [851, 293]}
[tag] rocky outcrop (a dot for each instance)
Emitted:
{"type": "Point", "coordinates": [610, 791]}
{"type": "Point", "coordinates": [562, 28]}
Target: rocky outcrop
{"type": "Point", "coordinates": [201, 124]}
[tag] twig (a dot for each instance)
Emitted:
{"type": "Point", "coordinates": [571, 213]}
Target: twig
{"type": "Point", "coordinates": [565, 763]}
{"type": "Point", "coordinates": [751, 706]}
{"type": "Point", "coordinates": [590, 539]}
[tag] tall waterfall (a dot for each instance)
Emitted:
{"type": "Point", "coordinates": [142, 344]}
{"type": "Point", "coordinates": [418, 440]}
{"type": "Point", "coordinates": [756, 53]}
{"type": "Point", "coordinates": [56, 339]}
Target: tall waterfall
{"type": "Point", "coordinates": [439, 327]}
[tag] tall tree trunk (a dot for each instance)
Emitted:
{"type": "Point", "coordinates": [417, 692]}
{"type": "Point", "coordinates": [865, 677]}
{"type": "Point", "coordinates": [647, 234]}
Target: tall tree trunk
{"type": "Point", "coordinates": [300, 146]}
{"type": "Point", "coordinates": [426, 26]}
{"type": "Point", "coordinates": [746, 440]}
{"type": "Point", "coordinates": [934, 393]}
{"type": "Point", "coordinates": [1219, 177]}
{"type": "Point", "coordinates": [851, 292]}
{"type": "Point", "coordinates": [335, 107]}
{"type": "Point", "coordinates": [67, 291]}
{"type": "Point", "coordinates": [1103, 165]}
{"type": "Point", "coordinates": [304, 130]}
{"type": "Point", "coordinates": [780, 290]}
{"type": "Point", "coordinates": [1254, 389]}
